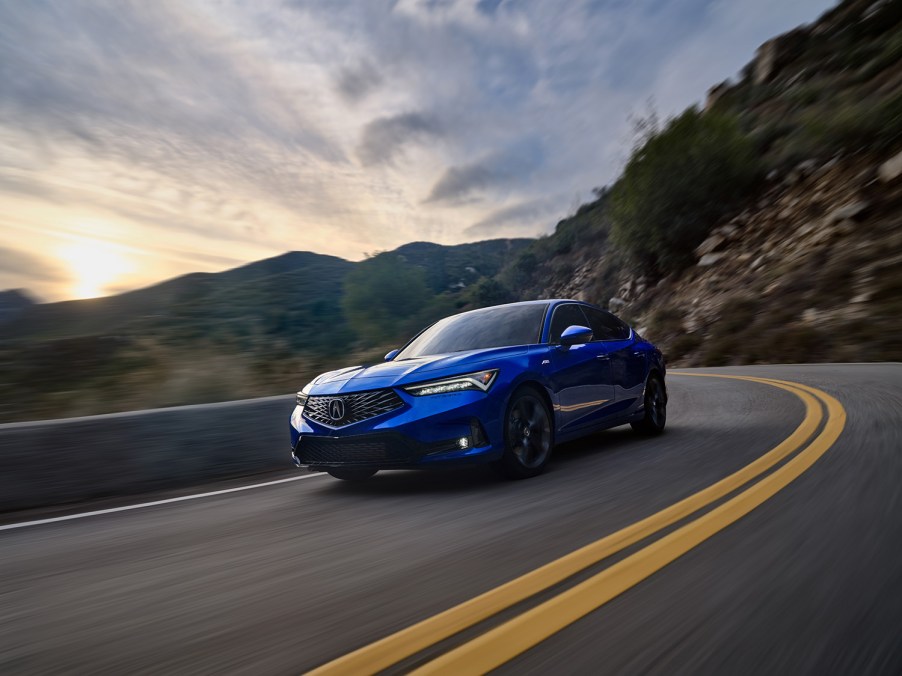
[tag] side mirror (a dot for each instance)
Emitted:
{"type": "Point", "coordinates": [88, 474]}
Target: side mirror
{"type": "Point", "coordinates": [391, 355]}
{"type": "Point", "coordinates": [576, 335]}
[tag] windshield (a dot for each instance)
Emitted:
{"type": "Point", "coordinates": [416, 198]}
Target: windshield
{"type": "Point", "coordinates": [478, 330]}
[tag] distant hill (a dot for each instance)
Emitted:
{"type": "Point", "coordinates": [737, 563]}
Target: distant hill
{"type": "Point", "coordinates": [13, 303]}
{"type": "Point", "coordinates": [248, 291]}
{"type": "Point", "coordinates": [286, 292]}
{"type": "Point", "coordinates": [255, 329]}
{"type": "Point", "coordinates": [456, 267]}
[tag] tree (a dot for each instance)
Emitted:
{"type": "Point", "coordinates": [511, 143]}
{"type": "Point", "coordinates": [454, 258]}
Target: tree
{"type": "Point", "coordinates": [489, 291]}
{"type": "Point", "coordinates": [677, 183]}
{"type": "Point", "coordinates": [382, 295]}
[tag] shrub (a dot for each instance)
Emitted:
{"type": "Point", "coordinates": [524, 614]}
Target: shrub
{"type": "Point", "coordinates": [489, 291]}
{"type": "Point", "coordinates": [682, 345]}
{"type": "Point", "coordinates": [854, 125]}
{"type": "Point", "coordinates": [382, 295]}
{"type": "Point", "coordinates": [678, 183]}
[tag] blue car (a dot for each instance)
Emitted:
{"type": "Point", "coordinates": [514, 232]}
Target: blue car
{"type": "Point", "coordinates": [498, 385]}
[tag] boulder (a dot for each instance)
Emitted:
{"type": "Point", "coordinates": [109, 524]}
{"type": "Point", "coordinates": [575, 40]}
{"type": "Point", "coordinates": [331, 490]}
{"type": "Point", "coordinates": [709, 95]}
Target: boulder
{"type": "Point", "coordinates": [711, 244]}
{"type": "Point", "coordinates": [710, 259]}
{"type": "Point", "coordinates": [810, 316]}
{"type": "Point", "coordinates": [806, 167]}
{"type": "Point", "coordinates": [891, 169]}
{"type": "Point", "coordinates": [616, 304]}
{"type": "Point", "coordinates": [850, 211]}
{"type": "Point", "coordinates": [827, 166]}
{"type": "Point", "coordinates": [728, 231]}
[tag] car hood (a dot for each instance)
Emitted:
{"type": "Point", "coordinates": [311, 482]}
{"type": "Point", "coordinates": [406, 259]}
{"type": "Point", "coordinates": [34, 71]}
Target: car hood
{"type": "Point", "coordinates": [403, 372]}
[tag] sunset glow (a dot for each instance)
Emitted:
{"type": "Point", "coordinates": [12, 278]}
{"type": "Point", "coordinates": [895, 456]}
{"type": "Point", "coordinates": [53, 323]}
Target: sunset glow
{"type": "Point", "coordinates": [201, 136]}
{"type": "Point", "coordinates": [94, 266]}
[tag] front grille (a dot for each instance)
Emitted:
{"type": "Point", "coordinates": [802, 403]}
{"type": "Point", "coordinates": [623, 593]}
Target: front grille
{"type": "Point", "coordinates": [385, 449]}
{"type": "Point", "coordinates": [353, 407]}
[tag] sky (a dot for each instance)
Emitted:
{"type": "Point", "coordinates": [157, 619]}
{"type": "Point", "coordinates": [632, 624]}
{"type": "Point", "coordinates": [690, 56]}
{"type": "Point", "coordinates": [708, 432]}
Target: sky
{"type": "Point", "coordinates": [143, 140]}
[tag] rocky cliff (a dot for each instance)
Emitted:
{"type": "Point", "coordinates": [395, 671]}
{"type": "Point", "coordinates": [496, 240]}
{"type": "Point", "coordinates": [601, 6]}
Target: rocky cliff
{"type": "Point", "coordinates": [809, 266]}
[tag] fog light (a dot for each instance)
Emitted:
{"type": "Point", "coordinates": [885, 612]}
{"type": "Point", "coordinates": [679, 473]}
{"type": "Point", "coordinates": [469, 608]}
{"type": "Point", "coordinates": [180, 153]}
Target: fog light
{"type": "Point", "coordinates": [463, 442]}
{"type": "Point", "coordinates": [477, 434]}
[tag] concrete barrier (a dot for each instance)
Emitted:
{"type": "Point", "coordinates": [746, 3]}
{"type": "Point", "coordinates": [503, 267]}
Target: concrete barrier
{"type": "Point", "coordinates": [77, 459]}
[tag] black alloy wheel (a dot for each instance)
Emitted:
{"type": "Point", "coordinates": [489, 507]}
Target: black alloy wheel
{"type": "Point", "coordinates": [528, 435]}
{"type": "Point", "coordinates": [655, 408]}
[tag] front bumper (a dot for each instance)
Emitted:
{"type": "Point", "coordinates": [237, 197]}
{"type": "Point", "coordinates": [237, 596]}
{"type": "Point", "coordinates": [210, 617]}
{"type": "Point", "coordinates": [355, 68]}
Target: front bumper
{"type": "Point", "coordinates": [456, 428]}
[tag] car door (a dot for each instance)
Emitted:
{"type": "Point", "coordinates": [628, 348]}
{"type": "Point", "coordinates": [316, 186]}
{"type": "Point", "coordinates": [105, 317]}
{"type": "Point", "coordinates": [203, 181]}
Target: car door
{"type": "Point", "coordinates": [580, 375]}
{"type": "Point", "coordinates": [628, 364]}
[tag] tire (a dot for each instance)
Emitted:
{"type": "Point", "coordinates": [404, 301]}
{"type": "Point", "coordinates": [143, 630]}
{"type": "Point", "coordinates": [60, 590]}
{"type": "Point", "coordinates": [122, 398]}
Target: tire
{"type": "Point", "coordinates": [352, 473]}
{"type": "Point", "coordinates": [528, 435]}
{"type": "Point", "coordinates": [655, 408]}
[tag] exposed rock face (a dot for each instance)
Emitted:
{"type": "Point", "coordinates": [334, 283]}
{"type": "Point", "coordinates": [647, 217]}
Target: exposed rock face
{"type": "Point", "coordinates": [810, 268]}
{"type": "Point", "coordinates": [765, 60]}
{"type": "Point", "coordinates": [715, 93]}
{"type": "Point", "coordinates": [774, 54]}
{"type": "Point", "coordinates": [809, 258]}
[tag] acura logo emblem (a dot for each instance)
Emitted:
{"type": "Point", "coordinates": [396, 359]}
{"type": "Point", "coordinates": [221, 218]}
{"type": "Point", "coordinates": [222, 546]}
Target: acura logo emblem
{"type": "Point", "coordinates": [336, 409]}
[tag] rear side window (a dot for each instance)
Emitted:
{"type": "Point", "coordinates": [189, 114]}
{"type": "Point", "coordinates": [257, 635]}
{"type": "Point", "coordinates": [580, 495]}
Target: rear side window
{"type": "Point", "coordinates": [564, 316]}
{"type": "Point", "coordinates": [606, 326]}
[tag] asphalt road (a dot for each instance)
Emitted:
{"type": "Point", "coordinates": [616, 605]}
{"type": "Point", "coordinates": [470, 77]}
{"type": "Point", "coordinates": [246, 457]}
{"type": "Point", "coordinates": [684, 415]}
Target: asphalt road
{"type": "Point", "coordinates": [284, 578]}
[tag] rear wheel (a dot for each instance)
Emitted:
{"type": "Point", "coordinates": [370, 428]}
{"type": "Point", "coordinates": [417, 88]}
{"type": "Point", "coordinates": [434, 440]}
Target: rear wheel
{"type": "Point", "coordinates": [351, 473]}
{"type": "Point", "coordinates": [655, 408]}
{"type": "Point", "coordinates": [528, 435]}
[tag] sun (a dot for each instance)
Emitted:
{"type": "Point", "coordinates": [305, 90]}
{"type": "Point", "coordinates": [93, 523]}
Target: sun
{"type": "Point", "coordinates": [94, 266]}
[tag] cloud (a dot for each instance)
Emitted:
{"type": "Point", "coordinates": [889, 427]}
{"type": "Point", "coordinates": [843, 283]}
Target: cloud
{"type": "Point", "coordinates": [152, 85]}
{"type": "Point", "coordinates": [234, 129]}
{"type": "Point", "coordinates": [488, 6]}
{"type": "Point", "coordinates": [384, 137]}
{"type": "Point", "coordinates": [492, 171]}
{"type": "Point", "coordinates": [355, 83]}
{"type": "Point", "coordinates": [523, 219]}
{"type": "Point", "coordinates": [18, 263]}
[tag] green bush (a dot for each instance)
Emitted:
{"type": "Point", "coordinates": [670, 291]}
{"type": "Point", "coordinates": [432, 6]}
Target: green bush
{"type": "Point", "coordinates": [383, 295]}
{"type": "Point", "coordinates": [489, 291]}
{"type": "Point", "coordinates": [678, 183]}
{"type": "Point", "coordinates": [853, 125]}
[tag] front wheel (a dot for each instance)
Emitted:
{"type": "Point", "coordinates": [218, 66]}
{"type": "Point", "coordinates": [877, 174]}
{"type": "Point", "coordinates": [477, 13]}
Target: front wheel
{"type": "Point", "coordinates": [528, 436]}
{"type": "Point", "coordinates": [351, 473]}
{"type": "Point", "coordinates": [655, 408]}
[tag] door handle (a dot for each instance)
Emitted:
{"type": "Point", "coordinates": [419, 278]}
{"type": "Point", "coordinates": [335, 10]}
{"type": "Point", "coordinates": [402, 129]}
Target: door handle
{"type": "Point", "coordinates": [602, 357]}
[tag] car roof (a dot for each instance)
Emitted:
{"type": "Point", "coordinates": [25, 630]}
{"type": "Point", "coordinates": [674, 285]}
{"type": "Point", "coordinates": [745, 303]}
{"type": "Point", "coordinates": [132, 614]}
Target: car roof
{"type": "Point", "coordinates": [547, 302]}
{"type": "Point", "coordinates": [541, 301]}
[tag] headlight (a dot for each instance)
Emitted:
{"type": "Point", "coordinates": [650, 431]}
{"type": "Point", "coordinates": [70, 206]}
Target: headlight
{"type": "Point", "coordinates": [297, 417]}
{"type": "Point", "coordinates": [302, 395]}
{"type": "Point", "coordinates": [481, 381]}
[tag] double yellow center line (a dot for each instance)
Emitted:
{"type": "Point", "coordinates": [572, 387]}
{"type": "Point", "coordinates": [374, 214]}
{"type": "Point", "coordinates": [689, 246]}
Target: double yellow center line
{"type": "Point", "coordinates": [504, 642]}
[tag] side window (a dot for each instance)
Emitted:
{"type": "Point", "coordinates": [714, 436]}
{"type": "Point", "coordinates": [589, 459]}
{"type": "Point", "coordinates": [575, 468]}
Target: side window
{"type": "Point", "coordinates": [564, 316]}
{"type": "Point", "coordinates": [606, 326]}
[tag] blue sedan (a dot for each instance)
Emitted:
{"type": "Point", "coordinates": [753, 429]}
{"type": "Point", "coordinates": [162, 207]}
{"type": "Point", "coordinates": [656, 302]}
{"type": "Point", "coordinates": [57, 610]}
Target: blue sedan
{"type": "Point", "coordinates": [498, 385]}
